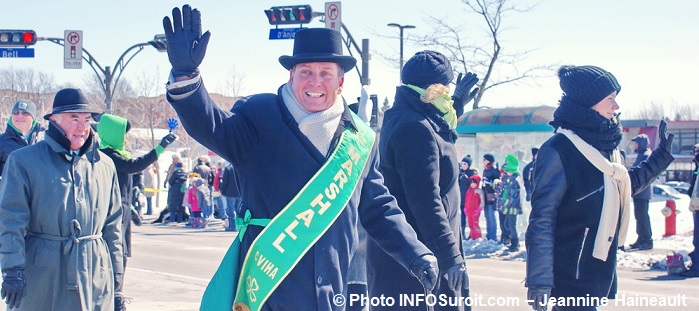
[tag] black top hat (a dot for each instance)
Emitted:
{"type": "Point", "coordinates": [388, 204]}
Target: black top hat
{"type": "Point", "coordinates": [71, 100]}
{"type": "Point", "coordinates": [318, 45]}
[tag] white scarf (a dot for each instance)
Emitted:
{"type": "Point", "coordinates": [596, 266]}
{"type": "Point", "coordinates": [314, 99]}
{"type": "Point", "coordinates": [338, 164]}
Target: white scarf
{"type": "Point", "coordinates": [617, 195]}
{"type": "Point", "coordinates": [319, 126]}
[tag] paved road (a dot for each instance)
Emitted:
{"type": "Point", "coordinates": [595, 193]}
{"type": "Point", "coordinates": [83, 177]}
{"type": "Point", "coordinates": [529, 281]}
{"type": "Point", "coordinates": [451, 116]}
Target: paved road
{"type": "Point", "coordinates": [172, 265]}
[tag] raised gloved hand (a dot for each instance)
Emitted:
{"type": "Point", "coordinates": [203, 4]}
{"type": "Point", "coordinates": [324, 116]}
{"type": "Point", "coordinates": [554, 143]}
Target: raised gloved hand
{"type": "Point", "coordinates": [425, 269]}
{"type": "Point", "coordinates": [167, 140]}
{"type": "Point", "coordinates": [665, 139]}
{"type": "Point", "coordinates": [14, 286]}
{"type": "Point", "coordinates": [457, 277]}
{"type": "Point", "coordinates": [538, 297]}
{"type": "Point", "coordinates": [186, 46]}
{"type": "Point", "coordinates": [462, 93]}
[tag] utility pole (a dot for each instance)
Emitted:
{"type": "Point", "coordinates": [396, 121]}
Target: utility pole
{"type": "Point", "coordinates": [108, 77]}
{"type": "Point", "coordinates": [401, 27]}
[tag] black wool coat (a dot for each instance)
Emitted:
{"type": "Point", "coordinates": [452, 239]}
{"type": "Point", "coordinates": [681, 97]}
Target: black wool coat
{"type": "Point", "coordinates": [419, 162]}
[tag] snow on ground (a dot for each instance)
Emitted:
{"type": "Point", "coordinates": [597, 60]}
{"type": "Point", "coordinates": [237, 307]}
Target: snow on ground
{"type": "Point", "coordinates": [634, 260]}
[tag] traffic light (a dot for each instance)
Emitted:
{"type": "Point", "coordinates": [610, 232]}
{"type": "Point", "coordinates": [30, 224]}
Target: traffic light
{"type": "Point", "coordinates": [17, 37]}
{"type": "Point", "coordinates": [159, 42]}
{"type": "Point", "coordinates": [286, 15]}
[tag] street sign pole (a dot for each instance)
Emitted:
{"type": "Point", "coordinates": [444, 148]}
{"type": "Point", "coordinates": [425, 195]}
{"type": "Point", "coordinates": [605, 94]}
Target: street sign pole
{"type": "Point", "coordinates": [333, 16]}
{"type": "Point", "coordinates": [73, 49]}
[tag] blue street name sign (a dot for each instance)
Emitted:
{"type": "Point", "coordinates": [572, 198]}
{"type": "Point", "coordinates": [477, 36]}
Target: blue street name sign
{"type": "Point", "coordinates": [283, 33]}
{"type": "Point", "coordinates": [14, 53]}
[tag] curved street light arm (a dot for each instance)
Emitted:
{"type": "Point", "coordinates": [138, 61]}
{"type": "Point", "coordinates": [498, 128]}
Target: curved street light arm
{"type": "Point", "coordinates": [89, 59]}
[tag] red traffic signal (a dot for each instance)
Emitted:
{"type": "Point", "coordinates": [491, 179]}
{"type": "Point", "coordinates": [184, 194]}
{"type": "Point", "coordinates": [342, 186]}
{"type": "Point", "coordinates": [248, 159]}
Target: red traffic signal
{"type": "Point", "coordinates": [287, 15]}
{"type": "Point", "coordinates": [17, 37]}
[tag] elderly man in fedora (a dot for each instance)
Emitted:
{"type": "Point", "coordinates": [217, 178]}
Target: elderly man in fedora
{"type": "Point", "coordinates": [22, 130]}
{"type": "Point", "coordinates": [308, 173]}
{"type": "Point", "coordinates": [60, 217]}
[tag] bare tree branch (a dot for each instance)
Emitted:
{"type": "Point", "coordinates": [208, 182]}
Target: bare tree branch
{"type": "Point", "coordinates": [493, 65]}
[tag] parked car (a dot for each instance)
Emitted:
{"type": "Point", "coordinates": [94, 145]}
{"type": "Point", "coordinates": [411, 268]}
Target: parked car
{"type": "Point", "coordinates": [680, 186]}
{"type": "Point", "coordinates": [665, 192]}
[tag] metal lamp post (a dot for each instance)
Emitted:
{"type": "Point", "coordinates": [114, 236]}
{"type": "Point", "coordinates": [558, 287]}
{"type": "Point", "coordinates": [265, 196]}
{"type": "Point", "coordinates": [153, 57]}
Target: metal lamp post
{"type": "Point", "coordinates": [401, 27]}
{"type": "Point", "coordinates": [109, 77]}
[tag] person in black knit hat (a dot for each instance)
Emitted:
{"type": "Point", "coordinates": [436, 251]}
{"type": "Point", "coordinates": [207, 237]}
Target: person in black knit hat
{"type": "Point", "coordinates": [419, 163]}
{"type": "Point", "coordinates": [581, 200]}
{"type": "Point", "coordinates": [465, 172]}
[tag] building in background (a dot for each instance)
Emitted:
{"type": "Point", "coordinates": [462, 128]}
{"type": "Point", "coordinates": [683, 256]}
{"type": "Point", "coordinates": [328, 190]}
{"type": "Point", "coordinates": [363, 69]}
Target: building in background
{"type": "Point", "coordinates": [516, 130]}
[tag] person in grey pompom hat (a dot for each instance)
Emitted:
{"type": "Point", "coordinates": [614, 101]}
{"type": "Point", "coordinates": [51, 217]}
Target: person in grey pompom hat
{"type": "Point", "coordinates": [587, 85]}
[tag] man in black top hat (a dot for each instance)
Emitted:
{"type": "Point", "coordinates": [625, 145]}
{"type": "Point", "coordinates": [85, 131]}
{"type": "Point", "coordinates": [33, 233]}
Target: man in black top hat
{"type": "Point", "coordinates": [277, 143]}
{"type": "Point", "coordinates": [22, 129]}
{"type": "Point", "coordinates": [60, 217]}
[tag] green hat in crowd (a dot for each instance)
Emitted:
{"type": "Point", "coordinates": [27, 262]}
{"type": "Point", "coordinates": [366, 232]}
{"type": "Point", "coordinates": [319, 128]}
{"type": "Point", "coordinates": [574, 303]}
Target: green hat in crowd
{"type": "Point", "coordinates": [511, 164]}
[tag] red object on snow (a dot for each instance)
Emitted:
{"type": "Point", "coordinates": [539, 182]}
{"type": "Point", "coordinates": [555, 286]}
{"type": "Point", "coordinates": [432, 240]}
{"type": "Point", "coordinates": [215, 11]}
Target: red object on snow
{"type": "Point", "coordinates": [670, 219]}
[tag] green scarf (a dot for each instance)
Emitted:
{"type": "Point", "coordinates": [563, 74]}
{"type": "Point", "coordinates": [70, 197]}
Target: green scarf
{"type": "Point", "coordinates": [443, 103]}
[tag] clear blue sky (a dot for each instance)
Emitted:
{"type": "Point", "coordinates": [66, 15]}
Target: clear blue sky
{"type": "Point", "coordinates": [652, 47]}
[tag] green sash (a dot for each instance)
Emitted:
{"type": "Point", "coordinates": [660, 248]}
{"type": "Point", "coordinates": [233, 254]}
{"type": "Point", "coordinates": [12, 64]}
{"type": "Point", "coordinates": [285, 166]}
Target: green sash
{"type": "Point", "coordinates": [292, 232]}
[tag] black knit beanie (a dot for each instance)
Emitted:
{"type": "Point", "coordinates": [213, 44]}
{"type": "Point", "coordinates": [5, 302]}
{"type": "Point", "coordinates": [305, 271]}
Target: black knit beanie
{"type": "Point", "coordinates": [468, 160]}
{"type": "Point", "coordinates": [587, 85]}
{"type": "Point", "coordinates": [489, 157]}
{"type": "Point", "coordinates": [426, 68]}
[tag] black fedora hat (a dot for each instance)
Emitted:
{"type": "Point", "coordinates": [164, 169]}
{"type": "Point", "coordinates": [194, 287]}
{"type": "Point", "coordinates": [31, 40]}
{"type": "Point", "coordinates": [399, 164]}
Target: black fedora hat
{"type": "Point", "coordinates": [71, 100]}
{"type": "Point", "coordinates": [318, 45]}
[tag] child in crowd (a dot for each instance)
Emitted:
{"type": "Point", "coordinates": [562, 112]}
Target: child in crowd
{"type": "Point", "coordinates": [203, 198]}
{"type": "Point", "coordinates": [473, 205]}
{"type": "Point", "coordinates": [509, 200]}
{"type": "Point", "coordinates": [196, 220]}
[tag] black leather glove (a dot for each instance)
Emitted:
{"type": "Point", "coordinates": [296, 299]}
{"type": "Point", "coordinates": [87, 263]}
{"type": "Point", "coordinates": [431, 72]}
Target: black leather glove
{"type": "Point", "coordinates": [457, 277]}
{"type": "Point", "coordinates": [167, 140]}
{"type": "Point", "coordinates": [462, 93]}
{"type": "Point", "coordinates": [14, 286]}
{"type": "Point", "coordinates": [186, 46]}
{"type": "Point", "coordinates": [425, 269]}
{"type": "Point", "coordinates": [537, 297]}
{"type": "Point", "coordinates": [665, 139]}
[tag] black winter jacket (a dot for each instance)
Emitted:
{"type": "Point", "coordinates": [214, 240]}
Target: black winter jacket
{"type": "Point", "coordinates": [125, 167]}
{"type": "Point", "coordinates": [229, 182]}
{"type": "Point", "coordinates": [12, 140]}
{"type": "Point", "coordinates": [566, 208]}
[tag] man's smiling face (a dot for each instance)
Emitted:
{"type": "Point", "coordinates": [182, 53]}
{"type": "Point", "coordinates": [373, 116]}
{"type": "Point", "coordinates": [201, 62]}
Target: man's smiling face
{"type": "Point", "coordinates": [316, 85]}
